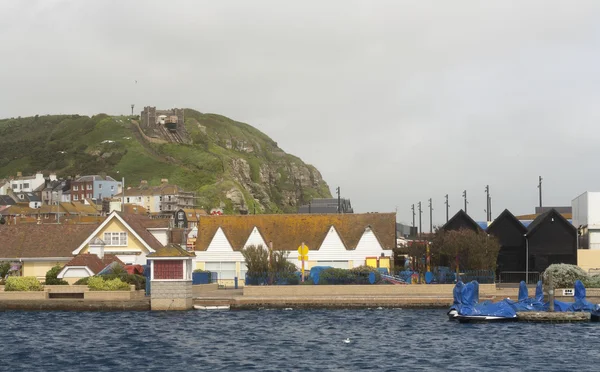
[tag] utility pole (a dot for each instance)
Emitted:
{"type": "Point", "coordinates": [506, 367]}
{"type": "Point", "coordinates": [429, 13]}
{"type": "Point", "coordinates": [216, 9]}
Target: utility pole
{"type": "Point", "coordinates": [540, 187]}
{"type": "Point", "coordinates": [339, 200]}
{"type": "Point", "coordinates": [430, 217]}
{"type": "Point", "coordinates": [413, 214]}
{"type": "Point", "coordinates": [447, 207]}
{"type": "Point", "coordinates": [487, 201]}
{"type": "Point", "coordinates": [466, 202]}
{"type": "Point", "coordinates": [420, 213]}
{"type": "Point", "coordinates": [132, 106]}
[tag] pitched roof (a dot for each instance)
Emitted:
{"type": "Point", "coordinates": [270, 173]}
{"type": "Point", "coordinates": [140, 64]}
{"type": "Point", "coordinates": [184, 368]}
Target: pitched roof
{"type": "Point", "coordinates": [45, 240]}
{"type": "Point", "coordinates": [465, 217]}
{"type": "Point", "coordinates": [137, 223]}
{"type": "Point", "coordinates": [506, 214]}
{"type": "Point", "coordinates": [6, 200]}
{"type": "Point", "coordinates": [171, 250]}
{"type": "Point", "coordinates": [288, 231]}
{"type": "Point", "coordinates": [93, 262]}
{"type": "Point", "coordinates": [542, 218]}
{"type": "Point", "coordinates": [18, 209]}
{"type": "Point", "coordinates": [94, 177]}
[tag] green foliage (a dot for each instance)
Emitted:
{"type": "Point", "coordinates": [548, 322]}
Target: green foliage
{"type": "Point", "coordinates": [274, 265]}
{"type": "Point", "coordinates": [257, 260]}
{"type": "Point", "coordinates": [4, 269]}
{"type": "Point", "coordinates": [51, 276]}
{"type": "Point", "coordinates": [97, 283]}
{"type": "Point", "coordinates": [23, 284]}
{"type": "Point", "coordinates": [201, 271]}
{"type": "Point", "coordinates": [475, 251]}
{"type": "Point", "coordinates": [83, 281]}
{"type": "Point", "coordinates": [565, 276]}
{"type": "Point", "coordinates": [357, 275]}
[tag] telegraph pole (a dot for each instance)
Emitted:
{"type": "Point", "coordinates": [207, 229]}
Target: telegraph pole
{"type": "Point", "coordinates": [132, 106]}
{"type": "Point", "coordinates": [466, 202]}
{"type": "Point", "coordinates": [447, 207]}
{"type": "Point", "coordinates": [420, 213]}
{"type": "Point", "coordinates": [430, 217]}
{"type": "Point", "coordinates": [413, 214]}
{"type": "Point", "coordinates": [540, 187]}
{"type": "Point", "coordinates": [339, 200]}
{"type": "Point", "coordinates": [487, 201]}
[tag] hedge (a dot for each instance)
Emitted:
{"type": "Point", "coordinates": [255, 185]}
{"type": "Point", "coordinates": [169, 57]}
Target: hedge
{"type": "Point", "coordinates": [97, 283]}
{"type": "Point", "coordinates": [23, 284]}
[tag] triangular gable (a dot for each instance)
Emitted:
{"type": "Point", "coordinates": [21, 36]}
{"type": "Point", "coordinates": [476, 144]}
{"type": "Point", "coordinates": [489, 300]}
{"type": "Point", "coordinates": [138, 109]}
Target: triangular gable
{"type": "Point", "coordinates": [370, 243]}
{"type": "Point", "coordinates": [219, 242]}
{"type": "Point", "coordinates": [331, 243]}
{"type": "Point", "coordinates": [507, 215]}
{"type": "Point", "coordinates": [256, 239]}
{"type": "Point", "coordinates": [103, 225]}
{"type": "Point", "coordinates": [543, 218]}
{"type": "Point", "coordinates": [461, 220]}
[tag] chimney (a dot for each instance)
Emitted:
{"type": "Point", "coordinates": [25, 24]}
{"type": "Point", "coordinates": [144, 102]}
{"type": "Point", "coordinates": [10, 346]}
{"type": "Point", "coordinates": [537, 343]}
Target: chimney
{"type": "Point", "coordinates": [52, 177]}
{"type": "Point", "coordinates": [19, 174]}
{"type": "Point", "coordinates": [164, 180]}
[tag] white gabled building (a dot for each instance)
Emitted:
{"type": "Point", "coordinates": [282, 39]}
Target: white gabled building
{"type": "Point", "coordinates": [337, 240]}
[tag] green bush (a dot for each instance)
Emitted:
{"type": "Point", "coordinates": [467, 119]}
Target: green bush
{"type": "Point", "coordinates": [97, 283]}
{"type": "Point", "coordinates": [51, 276]}
{"type": "Point", "coordinates": [364, 271]}
{"type": "Point", "coordinates": [201, 271]}
{"type": "Point", "coordinates": [23, 284]}
{"type": "Point", "coordinates": [564, 276]}
{"type": "Point", "coordinates": [357, 275]}
{"type": "Point", "coordinates": [82, 281]}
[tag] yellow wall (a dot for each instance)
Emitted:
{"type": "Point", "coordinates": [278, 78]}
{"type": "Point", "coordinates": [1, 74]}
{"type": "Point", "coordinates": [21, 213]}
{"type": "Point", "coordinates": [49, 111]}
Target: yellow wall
{"type": "Point", "coordinates": [371, 261]}
{"type": "Point", "coordinates": [199, 265]}
{"type": "Point", "coordinates": [133, 244]}
{"type": "Point", "coordinates": [588, 259]}
{"type": "Point", "coordinates": [39, 268]}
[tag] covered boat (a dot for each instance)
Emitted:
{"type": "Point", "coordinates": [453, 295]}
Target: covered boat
{"type": "Point", "coordinates": [524, 303]}
{"type": "Point", "coordinates": [456, 305]}
{"type": "Point", "coordinates": [470, 311]}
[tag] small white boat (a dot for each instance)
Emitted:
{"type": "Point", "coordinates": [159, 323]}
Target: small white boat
{"type": "Point", "coordinates": [202, 307]}
{"type": "Point", "coordinates": [484, 318]}
{"type": "Point", "coordinates": [452, 314]}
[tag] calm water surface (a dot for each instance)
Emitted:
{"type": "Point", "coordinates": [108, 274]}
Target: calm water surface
{"type": "Point", "coordinates": [278, 340]}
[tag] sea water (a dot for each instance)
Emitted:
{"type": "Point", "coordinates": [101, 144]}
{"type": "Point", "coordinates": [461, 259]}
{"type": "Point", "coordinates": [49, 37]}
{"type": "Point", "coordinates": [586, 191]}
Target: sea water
{"type": "Point", "coordinates": [279, 340]}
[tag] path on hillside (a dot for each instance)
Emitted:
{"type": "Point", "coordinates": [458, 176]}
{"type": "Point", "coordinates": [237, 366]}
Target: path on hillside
{"type": "Point", "coordinates": [137, 132]}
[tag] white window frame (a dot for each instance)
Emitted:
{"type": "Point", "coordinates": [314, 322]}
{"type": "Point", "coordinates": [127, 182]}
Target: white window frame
{"type": "Point", "coordinates": [99, 186]}
{"type": "Point", "coordinates": [220, 270]}
{"type": "Point", "coordinates": [75, 197]}
{"type": "Point", "coordinates": [75, 188]}
{"type": "Point", "coordinates": [89, 187]}
{"type": "Point", "coordinates": [116, 239]}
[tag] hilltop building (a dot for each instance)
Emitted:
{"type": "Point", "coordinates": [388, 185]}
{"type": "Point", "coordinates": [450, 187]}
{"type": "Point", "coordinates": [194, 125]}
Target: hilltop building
{"type": "Point", "coordinates": [166, 125]}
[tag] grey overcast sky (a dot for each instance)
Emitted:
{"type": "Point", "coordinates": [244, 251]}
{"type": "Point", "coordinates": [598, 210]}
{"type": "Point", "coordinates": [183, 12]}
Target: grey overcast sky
{"type": "Point", "coordinates": [394, 101]}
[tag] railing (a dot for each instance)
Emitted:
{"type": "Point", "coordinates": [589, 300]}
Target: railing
{"type": "Point", "coordinates": [518, 276]}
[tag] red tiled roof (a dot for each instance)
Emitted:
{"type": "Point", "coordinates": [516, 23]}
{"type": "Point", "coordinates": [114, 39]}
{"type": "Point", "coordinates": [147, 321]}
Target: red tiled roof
{"type": "Point", "coordinates": [137, 223]}
{"type": "Point", "coordinates": [45, 240]}
{"type": "Point", "coordinates": [93, 262]}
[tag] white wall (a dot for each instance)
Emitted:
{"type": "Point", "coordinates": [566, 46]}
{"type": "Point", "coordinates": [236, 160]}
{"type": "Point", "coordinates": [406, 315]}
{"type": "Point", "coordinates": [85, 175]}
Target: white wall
{"type": "Point", "coordinates": [161, 235]}
{"type": "Point", "coordinates": [73, 272]}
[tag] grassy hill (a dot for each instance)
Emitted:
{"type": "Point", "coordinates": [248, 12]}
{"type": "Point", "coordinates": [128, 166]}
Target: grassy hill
{"type": "Point", "coordinates": [230, 164]}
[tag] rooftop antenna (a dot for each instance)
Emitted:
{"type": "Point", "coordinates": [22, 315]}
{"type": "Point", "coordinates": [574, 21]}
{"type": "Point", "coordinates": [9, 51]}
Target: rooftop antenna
{"type": "Point", "coordinates": [447, 207]}
{"type": "Point", "coordinates": [488, 215]}
{"type": "Point", "coordinates": [413, 214]}
{"type": "Point", "coordinates": [540, 187]}
{"type": "Point", "coordinates": [420, 213]}
{"type": "Point", "coordinates": [132, 106]}
{"type": "Point", "coordinates": [466, 202]}
{"type": "Point", "coordinates": [430, 217]}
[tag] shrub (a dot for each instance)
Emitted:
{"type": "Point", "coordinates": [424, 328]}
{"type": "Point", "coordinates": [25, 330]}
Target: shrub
{"type": "Point", "coordinates": [23, 283]}
{"type": "Point", "coordinates": [4, 269]}
{"type": "Point", "coordinates": [51, 276]}
{"type": "Point", "coordinates": [82, 281]}
{"type": "Point", "coordinates": [364, 271]}
{"type": "Point", "coordinates": [97, 283]}
{"type": "Point", "coordinates": [564, 276]}
{"type": "Point", "coordinates": [336, 276]}
{"type": "Point", "coordinates": [201, 271]}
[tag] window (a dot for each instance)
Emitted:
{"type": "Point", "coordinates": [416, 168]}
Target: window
{"type": "Point", "coordinates": [115, 238]}
{"type": "Point", "coordinates": [100, 186]}
{"type": "Point", "coordinates": [89, 196]}
{"type": "Point", "coordinates": [75, 197]}
{"type": "Point", "coordinates": [15, 186]}
{"type": "Point", "coordinates": [168, 269]}
{"type": "Point", "coordinates": [127, 200]}
{"type": "Point", "coordinates": [75, 188]}
{"type": "Point", "coordinates": [21, 196]}
{"type": "Point", "coordinates": [112, 188]}
{"type": "Point", "coordinates": [89, 187]}
{"type": "Point", "coordinates": [225, 270]}
{"type": "Point", "coordinates": [26, 185]}
{"type": "Point", "coordinates": [160, 207]}
{"type": "Point", "coordinates": [169, 207]}
{"type": "Point", "coordinates": [160, 198]}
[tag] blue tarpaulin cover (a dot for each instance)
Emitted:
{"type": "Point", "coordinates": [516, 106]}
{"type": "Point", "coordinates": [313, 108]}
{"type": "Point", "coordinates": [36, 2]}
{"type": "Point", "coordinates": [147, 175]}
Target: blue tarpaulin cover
{"type": "Point", "coordinates": [580, 304]}
{"type": "Point", "coordinates": [471, 308]}
{"type": "Point", "coordinates": [525, 303]}
{"type": "Point", "coordinates": [457, 294]}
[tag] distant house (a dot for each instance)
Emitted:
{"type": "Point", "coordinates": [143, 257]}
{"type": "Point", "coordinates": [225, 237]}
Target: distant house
{"type": "Point", "coordinates": [54, 192]}
{"type": "Point", "coordinates": [461, 220]}
{"type": "Point", "coordinates": [337, 240]}
{"type": "Point", "coordinates": [22, 183]}
{"type": "Point", "coordinates": [551, 239]}
{"type": "Point", "coordinates": [4, 186]}
{"type": "Point", "coordinates": [6, 200]}
{"type": "Point", "coordinates": [164, 198]}
{"type": "Point", "coordinates": [33, 199]}
{"type": "Point", "coordinates": [34, 249]}
{"type": "Point", "coordinates": [94, 187]}
{"type": "Point", "coordinates": [85, 265]}
{"type": "Point", "coordinates": [329, 205]}
{"type": "Point", "coordinates": [510, 233]}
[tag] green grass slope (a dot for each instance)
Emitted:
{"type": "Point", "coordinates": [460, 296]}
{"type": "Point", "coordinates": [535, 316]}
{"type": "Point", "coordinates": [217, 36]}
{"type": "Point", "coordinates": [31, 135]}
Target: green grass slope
{"type": "Point", "coordinates": [230, 164]}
